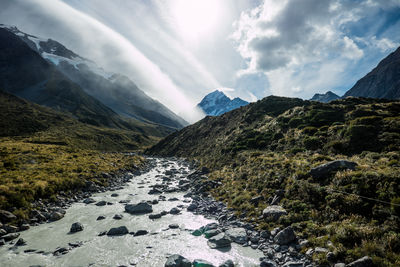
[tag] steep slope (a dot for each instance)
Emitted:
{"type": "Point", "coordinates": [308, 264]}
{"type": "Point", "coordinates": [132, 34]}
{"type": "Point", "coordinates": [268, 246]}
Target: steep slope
{"type": "Point", "coordinates": [217, 103]}
{"type": "Point", "coordinates": [325, 98]}
{"type": "Point", "coordinates": [382, 82]}
{"type": "Point", "coordinates": [263, 153]}
{"type": "Point", "coordinates": [114, 90]}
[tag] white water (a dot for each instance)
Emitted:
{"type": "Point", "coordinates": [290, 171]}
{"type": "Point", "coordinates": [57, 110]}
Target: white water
{"type": "Point", "coordinates": [148, 250]}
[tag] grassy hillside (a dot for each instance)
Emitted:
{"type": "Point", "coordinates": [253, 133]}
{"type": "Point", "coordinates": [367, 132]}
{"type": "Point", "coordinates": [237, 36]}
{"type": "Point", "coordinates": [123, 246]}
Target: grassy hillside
{"type": "Point", "coordinates": [273, 144]}
{"type": "Point", "coordinates": [43, 152]}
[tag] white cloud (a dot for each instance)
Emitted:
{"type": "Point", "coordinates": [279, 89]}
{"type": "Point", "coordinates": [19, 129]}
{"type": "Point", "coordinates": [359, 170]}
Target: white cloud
{"type": "Point", "coordinates": [301, 46]}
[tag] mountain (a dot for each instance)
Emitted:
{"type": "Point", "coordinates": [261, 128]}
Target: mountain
{"type": "Point", "coordinates": [325, 98]}
{"type": "Point", "coordinates": [262, 154]}
{"type": "Point", "coordinates": [382, 82]}
{"type": "Point", "coordinates": [217, 103]}
{"type": "Point", "coordinates": [115, 91]}
{"type": "Point", "coordinates": [33, 123]}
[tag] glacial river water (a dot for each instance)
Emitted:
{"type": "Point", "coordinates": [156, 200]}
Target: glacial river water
{"type": "Point", "coordinates": [147, 250]}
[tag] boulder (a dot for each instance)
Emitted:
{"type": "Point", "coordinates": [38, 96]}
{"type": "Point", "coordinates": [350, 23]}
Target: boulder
{"type": "Point", "coordinates": [6, 216]}
{"type": "Point", "coordinates": [140, 208]}
{"type": "Point", "coordinates": [55, 216]}
{"type": "Point", "coordinates": [285, 236]}
{"type": "Point", "coordinates": [3, 232]}
{"type": "Point", "coordinates": [177, 261]}
{"type": "Point", "coordinates": [228, 263]}
{"type": "Point", "coordinates": [174, 211]}
{"type": "Point", "coordinates": [219, 241]}
{"type": "Point", "coordinates": [76, 227]}
{"type": "Point", "coordinates": [268, 263]}
{"type": "Point", "coordinates": [332, 166]}
{"type": "Point", "coordinates": [141, 232]}
{"type": "Point", "coordinates": [89, 200]}
{"type": "Point", "coordinates": [202, 263]}
{"type": "Point", "coordinates": [237, 235]}
{"type": "Point", "coordinates": [192, 207]}
{"type": "Point", "coordinates": [24, 227]}
{"type": "Point", "coordinates": [122, 230]}
{"type": "Point", "coordinates": [101, 203]}
{"type": "Point", "coordinates": [362, 262]}
{"type": "Point", "coordinates": [273, 213]}
{"type": "Point", "coordinates": [155, 216]}
{"type": "Point", "coordinates": [10, 236]}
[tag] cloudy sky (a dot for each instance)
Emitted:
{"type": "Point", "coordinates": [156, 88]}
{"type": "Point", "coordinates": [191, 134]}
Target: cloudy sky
{"type": "Point", "coordinates": [179, 50]}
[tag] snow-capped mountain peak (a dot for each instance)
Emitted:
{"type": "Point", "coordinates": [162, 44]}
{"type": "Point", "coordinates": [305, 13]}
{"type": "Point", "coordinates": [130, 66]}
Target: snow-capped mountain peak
{"type": "Point", "coordinates": [217, 103]}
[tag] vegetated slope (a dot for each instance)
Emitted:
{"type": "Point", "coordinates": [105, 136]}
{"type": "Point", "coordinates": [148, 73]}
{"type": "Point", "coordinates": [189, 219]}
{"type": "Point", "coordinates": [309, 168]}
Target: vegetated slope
{"type": "Point", "coordinates": [34, 123]}
{"type": "Point", "coordinates": [273, 144]}
{"type": "Point", "coordinates": [44, 152]}
{"type": "Point", "coordinates": [382, 82]}
{"type": "Point", "coordinates": [115, 91]}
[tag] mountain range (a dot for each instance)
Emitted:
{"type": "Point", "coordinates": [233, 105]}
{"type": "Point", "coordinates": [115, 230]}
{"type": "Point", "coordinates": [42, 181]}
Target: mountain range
{"type": "Point", "coordinates": [217, 103]}
{"type": "Point", "coordinates": [114, 91]}
{"type": "Point", "coordinates": [382, 82]}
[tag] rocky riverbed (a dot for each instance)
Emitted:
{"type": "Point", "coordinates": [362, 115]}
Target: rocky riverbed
{"type": "Point", "coordinates": [152, 217]}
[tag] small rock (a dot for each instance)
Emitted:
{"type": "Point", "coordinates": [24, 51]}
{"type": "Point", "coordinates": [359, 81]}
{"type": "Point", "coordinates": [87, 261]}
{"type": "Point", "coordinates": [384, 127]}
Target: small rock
{"type": "Point", "coordinates": [228, 263]}
{"type": "Point", "coordinates": [362, 262]}
{"type": "Point", "coordinates": [330, 256]}
{"type": "Point", "coordinates": [2, 242]}
{"type": "Point", "coordinates": [285, 236]}
{"type": "Point", "coordinates": [173, 226]}
{"type": "Point", "coordinates": [293, 264]}
{"type": "Point", "coordinates": [20, 242]}
{"type": "Point", "coordinates": [60, 251]}
{"type": "Point", "coordinates": [211, 233]}
{"type": "Point", "coordinates": [76, 227]}
{"type": "Point", "coordinates": [102, 233]}
{"type": "Point", "coordinates": [118, 216]}
{"type": "Point", "coordinates": [340, 265]}
{"type": "Point", "coordinates": [101, 217]}
{"type": "Point", "coordinates": [177, 261]}
{"type": "Point", "coordinates": [114, 195]}
{"type": "Point", "coordinates": [273, 213]}
{"type": "Point", "coordinates": [202, 263]}
{"type": "Point", "coordinates": [122, 230]}
{"type": "Point", "coordinates": [3, 232]}
{"type": "Point", "coordinates": [24, 227]}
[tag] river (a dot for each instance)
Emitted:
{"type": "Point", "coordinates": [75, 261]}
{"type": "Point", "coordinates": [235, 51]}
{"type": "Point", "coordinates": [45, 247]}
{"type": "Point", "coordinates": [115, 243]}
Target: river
{"type": "Point", "coordinates": [151, 249]}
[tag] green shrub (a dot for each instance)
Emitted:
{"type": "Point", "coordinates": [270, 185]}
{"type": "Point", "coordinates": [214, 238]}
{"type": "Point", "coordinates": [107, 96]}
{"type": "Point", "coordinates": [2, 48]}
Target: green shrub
{"type": "Point", "coordinates": [312, 143]}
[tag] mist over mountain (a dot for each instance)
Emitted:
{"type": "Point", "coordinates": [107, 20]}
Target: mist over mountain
{"type": "Point", "coordinates": [217, 103]}
{"type": "Point", "coordinates": [115, 91]}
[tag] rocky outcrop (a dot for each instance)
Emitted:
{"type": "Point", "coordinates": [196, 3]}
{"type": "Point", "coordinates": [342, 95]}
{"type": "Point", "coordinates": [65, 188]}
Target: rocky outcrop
{"type": "Point", "coordinates": [325, 169]}
{"type": "Point", "coordinates": [273, 213]}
